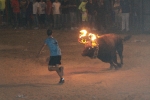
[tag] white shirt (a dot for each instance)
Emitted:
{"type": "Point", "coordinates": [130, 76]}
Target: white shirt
{"type": "Point", "coordinates": [35, 7]}
{"type": "Point", "coordinates": [42, 7]}
{"type": "Point", "coordinates": [56, 7]}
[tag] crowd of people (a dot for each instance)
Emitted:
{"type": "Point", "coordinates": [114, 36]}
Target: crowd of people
{"type": "Point", "coordinates": [66, 14]}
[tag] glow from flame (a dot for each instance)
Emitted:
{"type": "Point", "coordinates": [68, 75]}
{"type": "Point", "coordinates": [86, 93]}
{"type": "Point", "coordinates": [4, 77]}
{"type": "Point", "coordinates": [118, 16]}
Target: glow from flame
{"type": "Point", "coordinates": [83, 33]}
{"type": "Point", "coordinates": [92, 37]}
{"type": "Point", "coordinates": [89, 39]}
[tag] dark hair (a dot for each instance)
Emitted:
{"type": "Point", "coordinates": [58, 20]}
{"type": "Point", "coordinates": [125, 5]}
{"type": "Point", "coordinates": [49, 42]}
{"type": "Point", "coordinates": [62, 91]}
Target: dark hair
{"type": "Point", "coordinates": [49, 32]}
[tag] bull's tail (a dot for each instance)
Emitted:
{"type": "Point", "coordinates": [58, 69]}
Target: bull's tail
{"type": "Point", "coordinates": [127, 37]}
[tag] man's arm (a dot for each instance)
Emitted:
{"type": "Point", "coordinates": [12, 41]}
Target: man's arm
{"type": "Point", "coordinates": [41, 49]}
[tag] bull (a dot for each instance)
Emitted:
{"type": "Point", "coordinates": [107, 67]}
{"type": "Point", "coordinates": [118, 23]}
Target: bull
{"type": "Point", "coordinates": [109, 45]}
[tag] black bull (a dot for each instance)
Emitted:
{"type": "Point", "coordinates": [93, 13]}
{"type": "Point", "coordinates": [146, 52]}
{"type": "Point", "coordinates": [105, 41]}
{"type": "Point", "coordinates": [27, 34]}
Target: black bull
{"type": "Point", "coordinates": [109, 46]}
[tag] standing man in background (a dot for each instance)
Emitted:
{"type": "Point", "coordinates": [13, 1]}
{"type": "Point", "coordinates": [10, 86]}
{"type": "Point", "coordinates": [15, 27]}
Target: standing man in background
{"type": "Point", "coordinates": [101, 19]}
{"type": "Point", "coordinates": [23, 16]}
{"type": "Point", "coordinates": [117, 14]}
{"type": "Point", "coordinates": [49, 14]}
{"type": "Point", "coordinates": [2, 10]}
{"type": "Point", "coordinates": [56, 14]}
{"type": "Point", "coordinates": [82, 8]}
{"type": "Point", "coordinates": [29, 14]}
{"type": "Point", "coordinates": [16, 12]}
{"type": "Point", "coordinates": [65, 14]}
{"type": "Point", "coordinates": [125, 7]}
{"type": "Point", "coordinates": [42, 15]}
{"type": "Point", "coordinates": [73, 14]}
{"type": "Point", "coordinates": [91, 11]}
{"type": "Point", "coordinates": [35, 13]}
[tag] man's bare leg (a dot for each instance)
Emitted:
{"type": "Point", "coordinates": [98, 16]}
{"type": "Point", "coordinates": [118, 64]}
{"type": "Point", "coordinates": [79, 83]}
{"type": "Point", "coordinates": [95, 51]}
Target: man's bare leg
{"type": "Point", "coordinates": [59, 70]}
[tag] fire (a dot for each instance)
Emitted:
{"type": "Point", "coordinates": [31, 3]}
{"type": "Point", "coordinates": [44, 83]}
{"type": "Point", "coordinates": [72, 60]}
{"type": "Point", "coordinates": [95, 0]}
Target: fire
{"type": "Point", "coordinates": [88, 38]}
{"type": "Point", "coordinates": [83, 37]}
{"type": "Point", "coordinates": [92, 37]}
{"type": "Point", "coordinates": [83, 33]}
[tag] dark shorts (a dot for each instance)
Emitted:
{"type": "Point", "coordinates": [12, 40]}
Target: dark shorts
{"type": "Point", "coordinates": [54, 60]}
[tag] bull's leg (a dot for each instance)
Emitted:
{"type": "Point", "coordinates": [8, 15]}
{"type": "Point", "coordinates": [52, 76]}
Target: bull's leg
{"type": "Point", "coordinates": [112, 65]}
{"type": "Point", "coordinates": [120, 50]}
{"type": "Point", "coordinates": [121, 57]}
{"type": "Point", "coordinates": [114, 60]}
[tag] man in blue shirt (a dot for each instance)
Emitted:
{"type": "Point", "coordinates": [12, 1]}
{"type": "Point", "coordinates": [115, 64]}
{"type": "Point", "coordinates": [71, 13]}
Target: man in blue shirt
{"type": "Point", "coordinates": [55, 55]}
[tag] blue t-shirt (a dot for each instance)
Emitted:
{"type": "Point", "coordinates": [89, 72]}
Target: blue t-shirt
{"type": "Point", "coordinates": [53, 46]}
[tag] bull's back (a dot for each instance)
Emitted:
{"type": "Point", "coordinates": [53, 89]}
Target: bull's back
{"type": "Point", "coordinates": [107, 46]}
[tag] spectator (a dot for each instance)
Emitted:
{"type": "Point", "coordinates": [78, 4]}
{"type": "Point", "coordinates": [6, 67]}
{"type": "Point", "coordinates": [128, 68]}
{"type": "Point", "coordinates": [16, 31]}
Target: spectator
{"type": "Point", "coordinates": [35, 13]}
{"type": "Point", "coordinates": [125, 7]}
{"type": "Point", "coordinates": [42, 15]}
{"type": "Point", "coordinates": [73, 14]}
{"type": "Point", "coordinates": [29, 13]}
{"type": "Point", "coordinates": [108, 4]}
{"type": "Point", "coordinates": [2, 11]}
{"type": "Point", "coordinates": [84, 13]}
{"type": "Point", "coordinates": [23, 7]}
{"type": "Point", "coordinates": [65, 14]}
{"type": "Point", "coordinates": [101, 24]}
{"type": "Point", "coordinates": [116, 8]}
{"type": "Point", "coordinates": [16, 11]}
{"type": "Point", "coordinates": [91, 10]}
{"type": "Point", "coordinates": [49, 14]}
{"type": "Point", "coordinates": [79, 15]}
{"type": "Point", "coordinates": [56, 14]}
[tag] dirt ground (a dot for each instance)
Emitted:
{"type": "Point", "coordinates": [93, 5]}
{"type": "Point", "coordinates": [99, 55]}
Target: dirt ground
{"type": "Point", "coordinates": [25, 77]}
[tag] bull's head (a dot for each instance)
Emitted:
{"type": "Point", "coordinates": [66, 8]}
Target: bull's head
{"type": "Point", "coordinates": [85, 38]}
{"type": "Point", "coordinates": [88, 51]}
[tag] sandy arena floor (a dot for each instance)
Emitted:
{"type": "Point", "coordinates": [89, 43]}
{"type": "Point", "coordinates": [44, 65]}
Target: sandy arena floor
{"type": "Point", "coordinates": [25, 77]}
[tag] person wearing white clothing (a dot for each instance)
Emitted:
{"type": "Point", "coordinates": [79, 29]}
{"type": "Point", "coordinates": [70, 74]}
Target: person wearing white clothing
{"type": "Point", "coordinates": [125, 21]}
{"type": "Point", "coordinates": [35, 13]}
{"type": "Point", "coordinates": [56, 7]}
{"type": "Point", "coordinates": [125, 7]}
{"type": "Point", "coordinates": [56, 14]}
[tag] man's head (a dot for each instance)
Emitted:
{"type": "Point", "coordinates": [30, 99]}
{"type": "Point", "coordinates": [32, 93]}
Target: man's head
{"type": "Point", "coordinates": [49, 32]}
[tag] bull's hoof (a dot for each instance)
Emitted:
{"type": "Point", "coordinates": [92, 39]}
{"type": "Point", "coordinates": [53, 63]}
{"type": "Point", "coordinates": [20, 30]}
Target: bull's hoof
{"type": "Point", "coordinates": [116, 68]}
{"type": "Point", "coordinates": [120, 65]}
{"type": "Point", "coordinates": [111, 67]}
